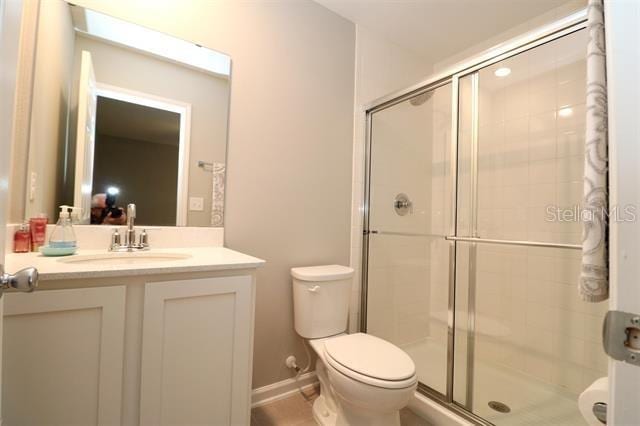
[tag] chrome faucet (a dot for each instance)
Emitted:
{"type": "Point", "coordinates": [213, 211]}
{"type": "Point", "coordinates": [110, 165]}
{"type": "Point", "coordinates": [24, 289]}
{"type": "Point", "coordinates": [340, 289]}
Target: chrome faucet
{"type": "Point", "coordinates": [130, 235]}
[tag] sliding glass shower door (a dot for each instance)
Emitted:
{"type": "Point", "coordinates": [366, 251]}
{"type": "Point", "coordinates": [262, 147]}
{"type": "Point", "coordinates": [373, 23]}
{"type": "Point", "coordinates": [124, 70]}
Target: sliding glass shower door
{"type": "Point", "coordinates": [410, 207]}
{"type": "Point", "coordinates": [472, 236]}
{"type": "Point", "coordinates": [527, 345]}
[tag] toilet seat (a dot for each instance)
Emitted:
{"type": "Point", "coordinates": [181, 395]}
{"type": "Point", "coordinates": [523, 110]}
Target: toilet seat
{"type": "Point", "coordinates": [370, 360]}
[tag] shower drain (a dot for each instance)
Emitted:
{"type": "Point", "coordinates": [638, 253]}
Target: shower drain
{"type": "Point", "coordinates": [499, 407]}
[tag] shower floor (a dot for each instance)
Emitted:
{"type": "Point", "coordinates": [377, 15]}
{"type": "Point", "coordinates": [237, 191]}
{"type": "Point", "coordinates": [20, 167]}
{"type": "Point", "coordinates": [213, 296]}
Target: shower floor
{"type": "Point", "coordinates": [531, 401]}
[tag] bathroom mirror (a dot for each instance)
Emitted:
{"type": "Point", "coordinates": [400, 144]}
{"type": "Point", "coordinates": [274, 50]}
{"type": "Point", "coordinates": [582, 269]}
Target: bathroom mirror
{"type": "Point", "coordinates": [124, 114]}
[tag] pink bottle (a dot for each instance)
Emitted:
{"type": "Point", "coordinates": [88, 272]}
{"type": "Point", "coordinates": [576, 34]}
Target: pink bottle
{"type": "Point", "coordinates": [22, 239]}
{"type": "Point", "coordinates": [38, 228]}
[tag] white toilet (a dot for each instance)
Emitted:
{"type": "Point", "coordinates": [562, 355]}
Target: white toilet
{"type": "Point", "coordinates": [364, 380]}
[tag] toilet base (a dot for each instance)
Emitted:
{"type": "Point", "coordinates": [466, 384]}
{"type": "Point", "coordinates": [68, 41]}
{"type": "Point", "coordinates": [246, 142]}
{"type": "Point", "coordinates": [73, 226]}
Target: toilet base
{"type": "Point", "coordinates": [354, 408]}
{"type": "Point", "coordinates": [322, 414]}
{"type": "Point", "coordinates": [350, 415]}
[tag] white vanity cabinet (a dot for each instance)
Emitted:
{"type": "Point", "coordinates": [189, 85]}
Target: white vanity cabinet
{"type": "Point", "coordinates": [196, 352]}
{"type": "Point", "coordinates": [140, 350]}
{"type": "Point", "coordinates": [63, 356]}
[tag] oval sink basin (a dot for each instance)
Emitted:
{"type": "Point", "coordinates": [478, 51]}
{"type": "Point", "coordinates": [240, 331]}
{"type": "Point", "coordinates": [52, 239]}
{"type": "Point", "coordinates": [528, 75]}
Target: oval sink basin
{"type": "Point", "coordinates": [124, 258]}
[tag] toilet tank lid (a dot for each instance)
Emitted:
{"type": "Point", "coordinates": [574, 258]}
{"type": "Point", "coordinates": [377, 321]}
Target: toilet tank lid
{"type": "Point", "coordinates": [322, 273]}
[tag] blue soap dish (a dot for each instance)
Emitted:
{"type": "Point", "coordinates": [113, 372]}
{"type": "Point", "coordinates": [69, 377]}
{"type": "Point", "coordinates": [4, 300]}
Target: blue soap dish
{"type": "Point", "coordinates": [57, 251]}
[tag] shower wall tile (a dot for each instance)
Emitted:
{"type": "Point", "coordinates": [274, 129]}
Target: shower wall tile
{"type": "Point", "coordinates": [517, 101]}
{"type": "Point", "coordinates": [593, 328]}
{"type": "Point", "coordinates": [539, 349]}
{"type": "Point", "coordinates": [542, 171]}
{"type": "Point", "coordinates": [570, 143]}
{"type": "Point", "coordinates": [537, 293]}
{"type": "Point", "coordinates": [569, 193]}
{"type": "Point", "coordinates": [515, 195]}
{"type": "Point", "coordinates": [549, 330]}
{"type": "Point", "coordinates": [541, 195]}
{"type": "Point", "coordinates": [572, 92]}
{"type": "Point", "coordinates": [542, 136]}
{"type": "Point", "coordinates": [401, 284]}
{"type": "Point", "coordinates": [569, 169]}
{"type": "Point", "coordinates": [354, 322]}
{"type": "Point", "coordinates": [592, 357]}
{"type": "Point", "coordinates": [541, 148]}
{"type": "Point", "coordinates": [569, 376]}
{"type": "Point", "coordinates": [542, 99]}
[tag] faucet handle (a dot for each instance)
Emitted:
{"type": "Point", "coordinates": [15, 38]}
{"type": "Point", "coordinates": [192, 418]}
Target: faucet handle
{"type": "Point", "coordinates": [115, 239]}
{"type": "Point", "coordinates": [144, 239]}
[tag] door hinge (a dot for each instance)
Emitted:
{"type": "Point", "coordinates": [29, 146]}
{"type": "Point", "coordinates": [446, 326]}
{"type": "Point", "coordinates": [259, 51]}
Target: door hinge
{"type": "Point", "coordinates": [621, 336]}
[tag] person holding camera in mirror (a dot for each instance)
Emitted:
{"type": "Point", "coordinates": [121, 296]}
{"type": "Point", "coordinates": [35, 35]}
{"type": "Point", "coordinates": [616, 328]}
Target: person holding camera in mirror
{"type": "Point", "coordinates": [104, 210]}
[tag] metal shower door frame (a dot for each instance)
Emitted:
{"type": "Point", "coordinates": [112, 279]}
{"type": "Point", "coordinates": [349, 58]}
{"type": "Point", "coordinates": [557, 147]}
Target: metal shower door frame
{"type": "Point", "coordinates": [553, 31]}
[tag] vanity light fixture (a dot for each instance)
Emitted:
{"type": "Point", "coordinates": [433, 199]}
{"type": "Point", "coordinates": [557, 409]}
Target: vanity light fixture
{"type": "Point", "coordinates": [502, 72]}
{"type": "Point", "coordinates": [565, 112]}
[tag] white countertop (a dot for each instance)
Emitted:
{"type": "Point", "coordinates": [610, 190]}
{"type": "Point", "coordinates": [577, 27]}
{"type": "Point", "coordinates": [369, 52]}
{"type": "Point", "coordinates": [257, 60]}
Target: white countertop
{"type": "Point", "coordinates": [201, 259]}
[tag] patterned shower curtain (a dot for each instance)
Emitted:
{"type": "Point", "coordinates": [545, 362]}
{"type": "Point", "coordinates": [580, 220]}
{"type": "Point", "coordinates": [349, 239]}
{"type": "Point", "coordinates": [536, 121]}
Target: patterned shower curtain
{"type": "Point", "coordinates": [594, 276]}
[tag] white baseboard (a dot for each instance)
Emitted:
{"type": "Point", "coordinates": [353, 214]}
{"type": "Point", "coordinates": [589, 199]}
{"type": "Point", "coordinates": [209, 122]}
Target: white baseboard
{"type": "Point", "coordinates": [283, 389]}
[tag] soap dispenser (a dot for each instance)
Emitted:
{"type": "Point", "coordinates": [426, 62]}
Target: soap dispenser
{"type": "Point", "coordinates": [76, 213]}
{"type": "Point", "coordinates": [63, 235]}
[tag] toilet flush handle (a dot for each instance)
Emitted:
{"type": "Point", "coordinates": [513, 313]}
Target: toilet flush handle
{"type": "Point", "coordinates": [314, 289]}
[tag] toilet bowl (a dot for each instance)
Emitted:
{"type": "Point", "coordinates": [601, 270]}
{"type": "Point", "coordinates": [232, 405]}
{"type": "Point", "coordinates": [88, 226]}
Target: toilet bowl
{"type": "Point", "coordinates": [370, 379]}
{"type": "Point", "coordinates": [364, 380]}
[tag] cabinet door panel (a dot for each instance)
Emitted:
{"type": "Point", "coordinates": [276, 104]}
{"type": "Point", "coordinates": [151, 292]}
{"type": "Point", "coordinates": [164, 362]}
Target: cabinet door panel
{"type": "Point", "coordinates": [63, 354]}
{"type": "Point", "coordinates": [196, 352]}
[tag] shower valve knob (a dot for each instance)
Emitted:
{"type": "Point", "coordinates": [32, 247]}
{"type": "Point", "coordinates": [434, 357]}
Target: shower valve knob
{"type": "Point", "coordinates": [402, 204]}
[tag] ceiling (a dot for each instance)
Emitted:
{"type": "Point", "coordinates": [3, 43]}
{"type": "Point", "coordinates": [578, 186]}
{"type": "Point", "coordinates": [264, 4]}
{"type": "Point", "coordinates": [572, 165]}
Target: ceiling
{"type": "Point", "coordinates": [131, 121]}
{"type": "Point", "coordinates": [437, 29]}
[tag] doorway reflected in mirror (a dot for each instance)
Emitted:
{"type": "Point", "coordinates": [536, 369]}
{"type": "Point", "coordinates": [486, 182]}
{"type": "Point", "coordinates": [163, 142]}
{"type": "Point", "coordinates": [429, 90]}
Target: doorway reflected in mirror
{"type": "Point", "coordinates": [136, 160]}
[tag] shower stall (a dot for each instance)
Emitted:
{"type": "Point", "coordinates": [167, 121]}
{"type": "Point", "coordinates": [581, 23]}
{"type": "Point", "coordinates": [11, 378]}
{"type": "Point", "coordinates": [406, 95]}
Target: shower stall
{"type": "Point", "coordinates": [471, 250]}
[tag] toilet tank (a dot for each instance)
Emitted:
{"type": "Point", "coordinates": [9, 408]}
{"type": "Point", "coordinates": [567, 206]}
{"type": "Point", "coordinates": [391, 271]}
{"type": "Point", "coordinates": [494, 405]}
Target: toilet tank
{"type": "Point", "coordinates": [321, 300]}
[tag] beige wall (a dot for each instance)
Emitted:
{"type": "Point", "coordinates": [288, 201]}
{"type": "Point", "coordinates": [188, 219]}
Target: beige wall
{"type": "Point", "coordinates": [207, 94]}
{"type": "Point", "coordinates": [290, 142]}
{"type": "Point", "coordinates": [52, 82]}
